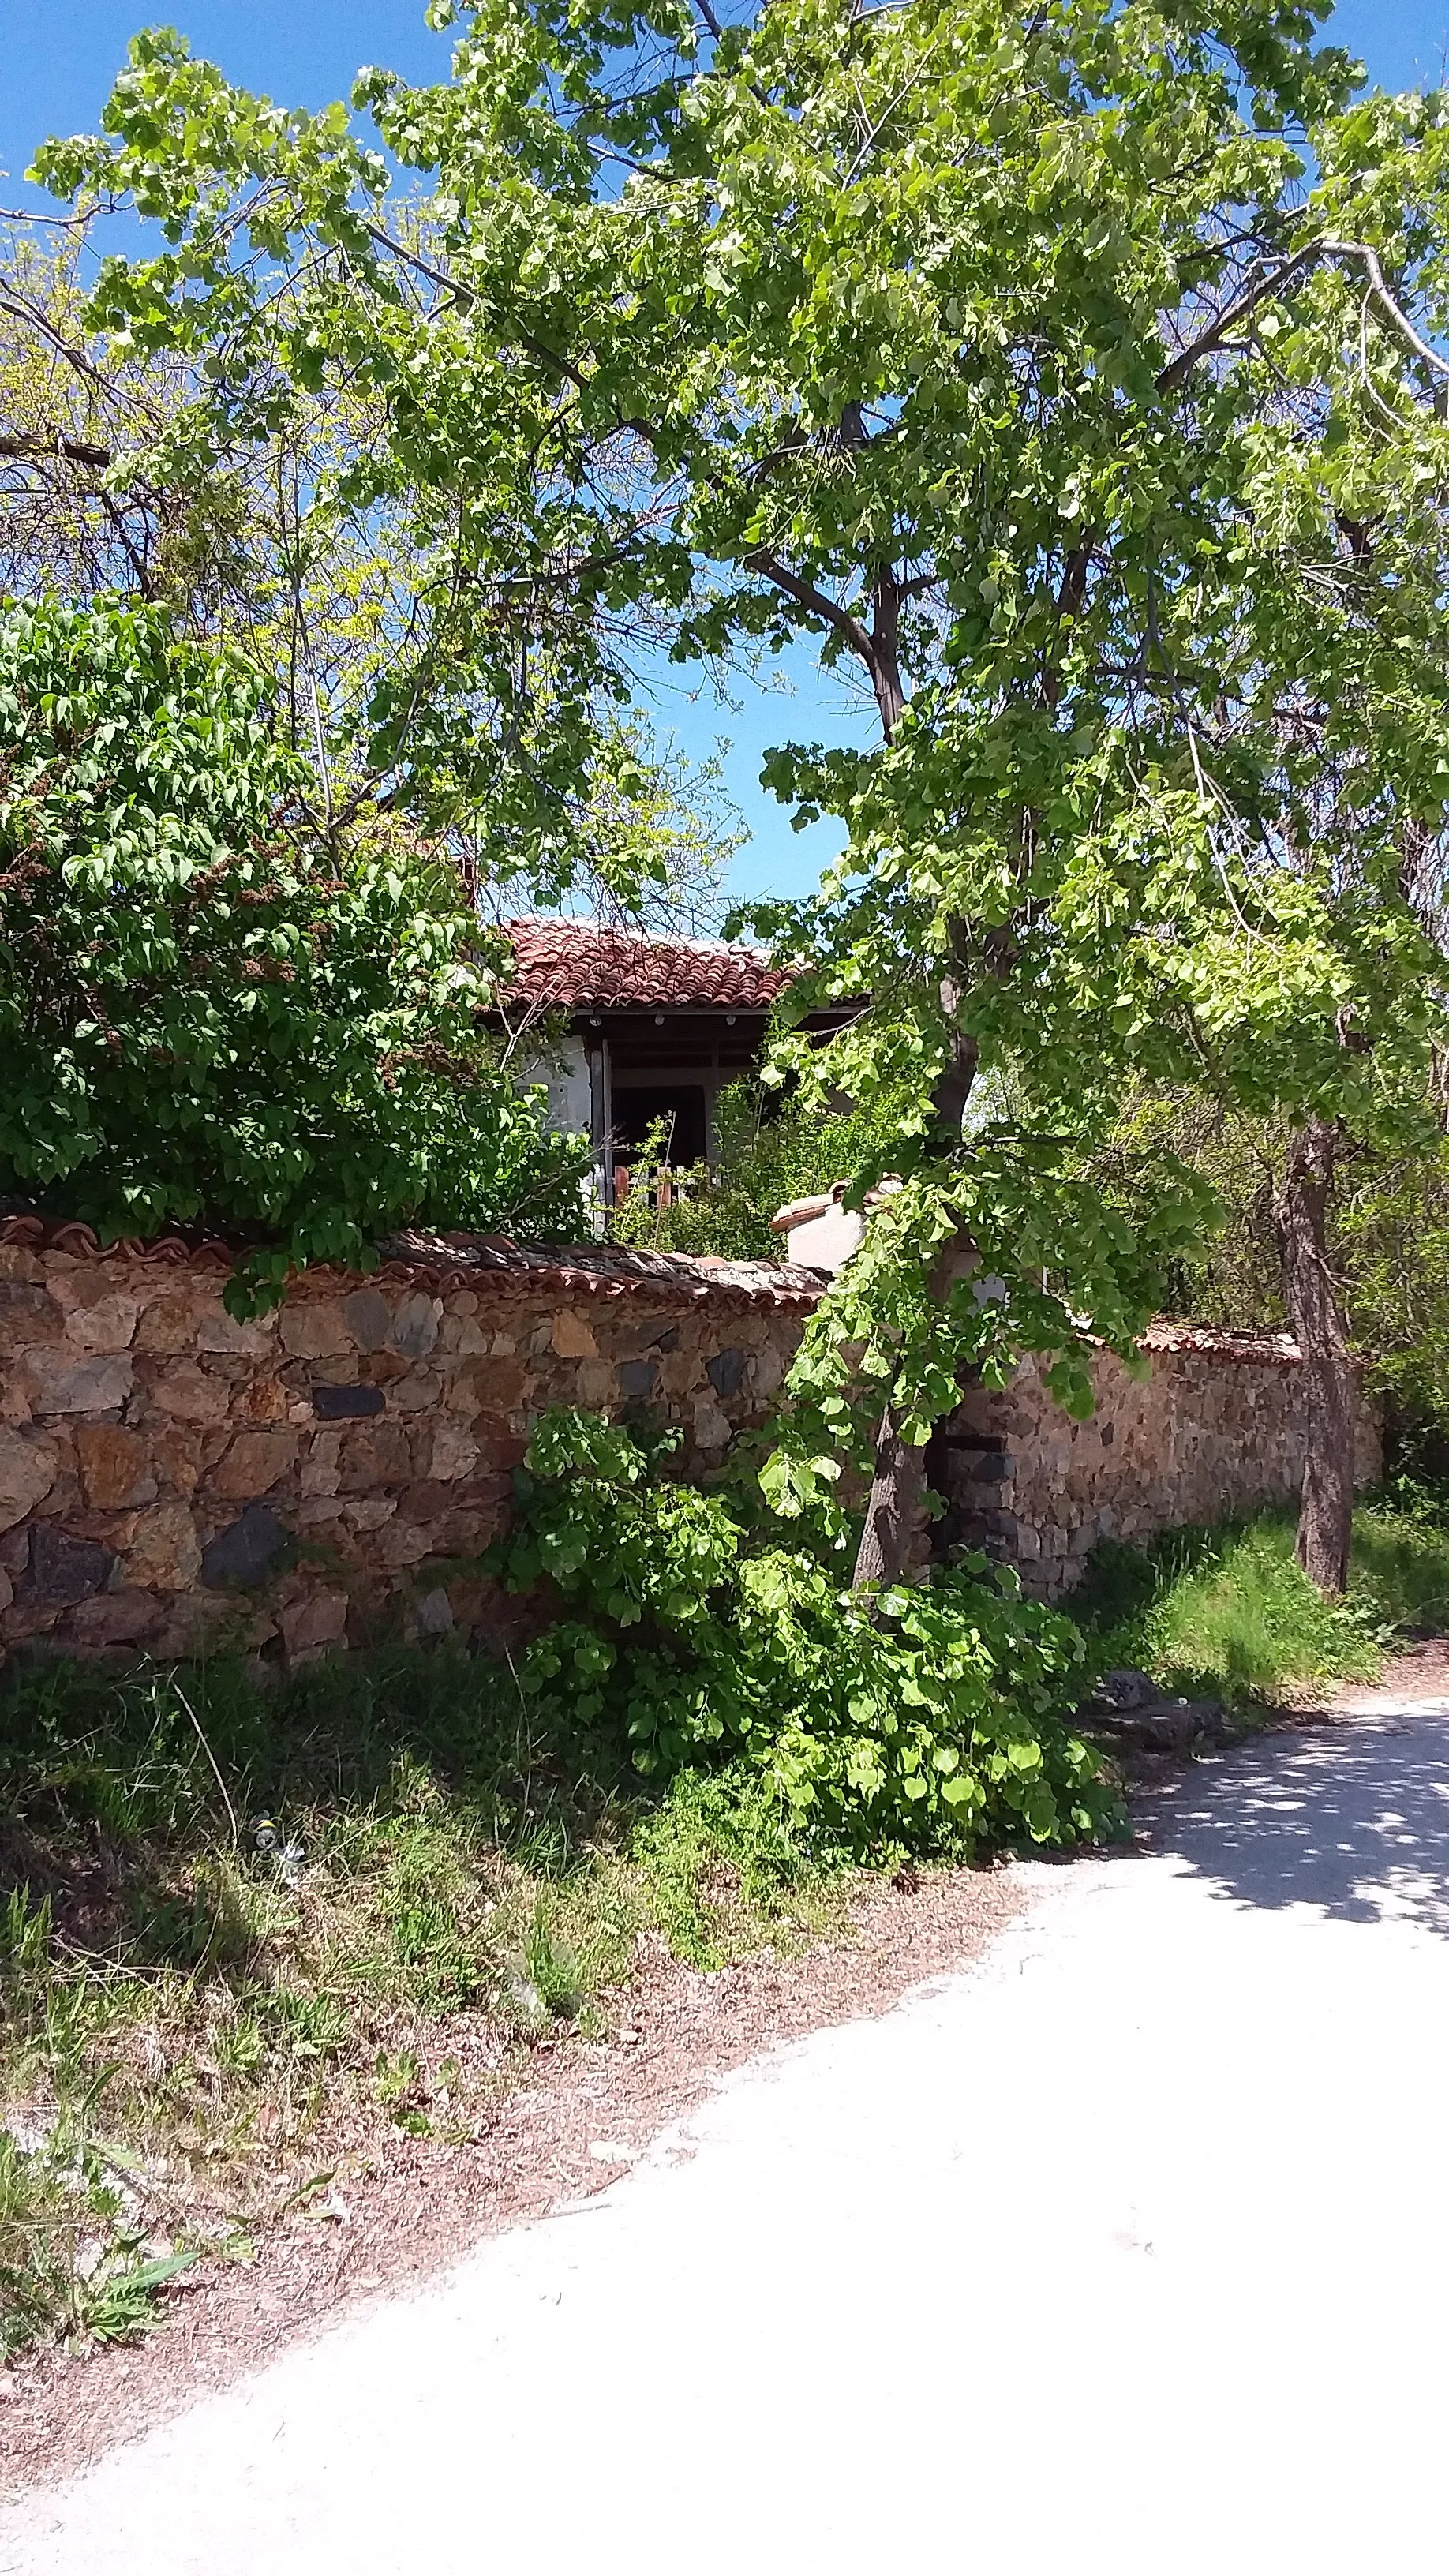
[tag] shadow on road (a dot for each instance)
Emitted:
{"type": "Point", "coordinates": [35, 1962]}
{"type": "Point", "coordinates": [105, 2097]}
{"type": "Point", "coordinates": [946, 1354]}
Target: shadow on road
{"type": "Point", "coordinates": [1353, 1819]}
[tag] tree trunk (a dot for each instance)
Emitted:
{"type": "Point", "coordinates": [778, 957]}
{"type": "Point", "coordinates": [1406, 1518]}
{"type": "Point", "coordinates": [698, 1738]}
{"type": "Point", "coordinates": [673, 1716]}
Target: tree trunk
{"type": "Point", "coordinates": [897, 1485]}
{"type": "Point", "coordinates": [1315, 1313]}
{"type": "Point", "coordinates": [898, 1476]}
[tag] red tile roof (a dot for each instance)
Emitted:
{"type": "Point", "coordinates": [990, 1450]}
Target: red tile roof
{"type": "Point", "coordinates": [579, 965]}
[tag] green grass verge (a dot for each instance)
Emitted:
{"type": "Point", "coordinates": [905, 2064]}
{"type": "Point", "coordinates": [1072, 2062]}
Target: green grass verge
{"type": "Point", "coordinates": [246, 1931]}
{"type": "Point", "coordinates": [1230, 1610]}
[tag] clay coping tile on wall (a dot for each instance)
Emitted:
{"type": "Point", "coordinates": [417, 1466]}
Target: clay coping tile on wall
{"type": "Point", "coordinates": [600, 1270]}
{"type": "Point", "coordinates": [1275, 1349]}
{"type": "Point", "coordinates": [596, 1270]}
{"type": "Point", "coordinates": [435, 1260]}
{"type": "Point", "coordinates": [40, 1234]}
{"type": "Point", "coordinates": [572, 965]}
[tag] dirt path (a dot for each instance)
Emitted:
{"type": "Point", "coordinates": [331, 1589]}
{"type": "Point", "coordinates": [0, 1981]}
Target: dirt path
{"type": "Point", "coordinates": [1126, 2246]}
{"type": "Point", "coordinates": [427, 2204]}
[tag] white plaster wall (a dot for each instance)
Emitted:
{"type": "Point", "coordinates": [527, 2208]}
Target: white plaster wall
{"type": "Point", "coordinates": [565, 1074]}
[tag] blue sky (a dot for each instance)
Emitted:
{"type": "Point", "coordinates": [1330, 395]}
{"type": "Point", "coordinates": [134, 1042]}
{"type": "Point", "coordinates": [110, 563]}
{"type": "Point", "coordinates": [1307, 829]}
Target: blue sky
{"type": "Point", "coordinates": [60, 63]}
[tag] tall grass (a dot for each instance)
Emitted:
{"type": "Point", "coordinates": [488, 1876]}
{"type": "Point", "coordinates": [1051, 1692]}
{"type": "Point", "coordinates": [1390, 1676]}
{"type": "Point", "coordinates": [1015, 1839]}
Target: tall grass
{"type": "Point", "coordinates": [1231, 1609]}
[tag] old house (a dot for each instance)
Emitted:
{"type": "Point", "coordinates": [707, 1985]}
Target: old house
{"type": "Point", "coordinates": [628, 1031]}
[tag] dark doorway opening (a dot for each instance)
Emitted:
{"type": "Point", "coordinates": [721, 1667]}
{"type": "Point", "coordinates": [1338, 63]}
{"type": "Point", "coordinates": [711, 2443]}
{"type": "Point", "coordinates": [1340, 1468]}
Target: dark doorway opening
{"type": "Point", "coordinates": [636, 1111]}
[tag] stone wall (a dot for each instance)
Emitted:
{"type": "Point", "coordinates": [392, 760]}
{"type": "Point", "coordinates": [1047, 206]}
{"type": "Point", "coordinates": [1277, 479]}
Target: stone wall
{"type": "Point", "coordinates": [172, 1479]}
{"type": "Point", "coordinates": [1214, 1429]}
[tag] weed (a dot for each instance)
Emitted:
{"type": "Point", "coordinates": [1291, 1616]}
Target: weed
{"type": "Point", "coordinates": [73, 2261]}
{"type": "Point", "coordinates": [469, 1878]}
{"type": "Point", "coordinates": [1232, 1610]}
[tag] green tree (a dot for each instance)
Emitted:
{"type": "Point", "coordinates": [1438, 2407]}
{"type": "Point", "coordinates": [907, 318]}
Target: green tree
{"type": "Point", "coordinates": [323, 576]}
{"type": "Point", "coordinates": [208, 1016]}
{"type": "Point", "coordinates": [1067, 368]}
{"type": "Point", "coordinates": [1387, 1237]}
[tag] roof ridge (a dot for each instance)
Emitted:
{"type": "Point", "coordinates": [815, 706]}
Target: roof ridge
{"type": "Point", "coordinates": [635, 932]}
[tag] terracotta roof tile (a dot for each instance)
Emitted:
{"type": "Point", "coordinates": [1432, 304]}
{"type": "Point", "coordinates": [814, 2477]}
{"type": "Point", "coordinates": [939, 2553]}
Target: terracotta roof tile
{"type": "Point", "coordinates": [509, 1268]}
{"type": "Point", "coordinates": [576, 965]}
{"type": "Point", "coordinates": [1275, 1349]}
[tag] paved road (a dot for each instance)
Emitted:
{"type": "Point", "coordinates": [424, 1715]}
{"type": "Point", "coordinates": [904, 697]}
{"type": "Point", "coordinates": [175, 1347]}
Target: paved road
{"type": "Point", "coordinates": [1128, 2249]}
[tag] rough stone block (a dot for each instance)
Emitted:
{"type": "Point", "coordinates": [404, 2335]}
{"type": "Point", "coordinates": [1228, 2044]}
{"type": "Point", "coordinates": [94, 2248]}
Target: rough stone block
{"type": "Point", "coordinates": [115, 1466]}
{"type": "Point", "coordinates": [711, 1428]}
{"type": "Point", "coordinates": [347, 1403]}
{"type": "Point", "coordinates": [108, 1325]}
{"type": "Point", "coordinates": [637, 1379]}
{"type": "Point", "coordinates": [216, 1330]}
{"type": "Point", "coordinates": [454, 1453]}
{"type": "Point", "coordinates": [29, 1619]}
{"type": "Point", "coordinates": [402, 1543]}
{"type": "Point", "coordinates": [499, 1386]}
{"type": "Point", "coordinates": [499, 1443]}
{"type": "Point", "coordinates": [415, 1322]}
{"type": "Point", "coordinates": [379, 1457]}
{"type": "Point", "coordinates": [313, 1328]}
{"type": "Point", "coordinates": [317, 1621]}
{"type": "Point", "coordinates": [248, 1552]}
{"type": "Point", "coordinates": [767, 1371]}
{"type": "Point", "coordinates": [725, 1371]}
{"type": "Point", "coordinates": [255, 1462]}
{"type": "Point", "coordinates": [187, 1392]}
{"type": "Point", "coordinates": [28, 1313]}
{"type": "Point", "coordinates": [65, 1570]}
{"type": "Point", "coordinates": [29, 1464]}
{"type": "Point", "coordinates": [125, 1618]}
{"type": "Point", "coordinates": [178, 1455]}
{"type": "Point", "coordinates": [61, 1383]}
{"type": "Point", "coordinates": [164, 1551]}
{"type": "Point", "coordinates": [419, 1391]}
{"type": "Point", "coordinates": [433, 1612]}
{"type": "Point", "coordinates": [320, 1466]}
{"type": "Point", "coordinates": [573, 1336]}
{"type": "Point", "coordinates": [368, 1317]}
{"type": "Point", "coordinates": [260, 1399]}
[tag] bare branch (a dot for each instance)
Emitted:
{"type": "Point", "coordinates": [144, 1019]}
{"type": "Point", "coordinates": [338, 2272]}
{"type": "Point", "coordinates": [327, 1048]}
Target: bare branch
{"type": "Point", "coordinates": [22, 215]}
{"type": "Point", "coordinates": [818, 602]}
{"type": "Point", "coordinates": [1178, 369]}
{"type": "Point", "coordinates": [34, 443]}
{"type": "Point", "coordinates": [1388, 302]}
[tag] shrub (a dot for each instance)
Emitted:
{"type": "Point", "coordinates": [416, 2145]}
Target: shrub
{"type": "Point", "coordinates": [929, 1717]}
{"type": "Point", "coordinates": [770, 1151]}
{"type": "Point", "coordinates": [209, 1014]}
